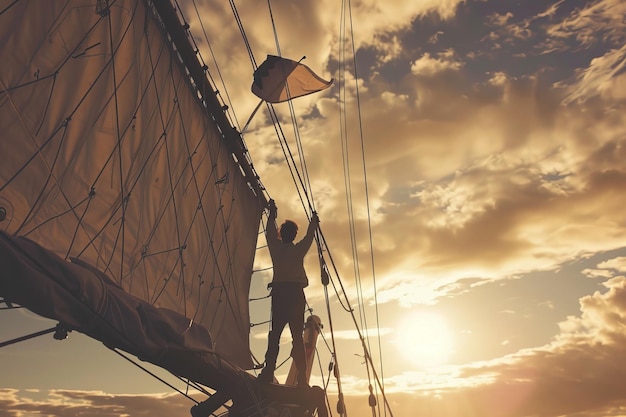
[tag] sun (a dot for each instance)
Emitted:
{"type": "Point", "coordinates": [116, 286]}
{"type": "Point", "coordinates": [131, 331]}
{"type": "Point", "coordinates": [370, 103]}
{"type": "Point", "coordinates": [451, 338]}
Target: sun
{"type": "Point", "coordinates": [424, 339]}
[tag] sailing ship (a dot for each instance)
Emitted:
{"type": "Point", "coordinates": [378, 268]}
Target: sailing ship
{"type": "Point", "coordinates": [129, 204]}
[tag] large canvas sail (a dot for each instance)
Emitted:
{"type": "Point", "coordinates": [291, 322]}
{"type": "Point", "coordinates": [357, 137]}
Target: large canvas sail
{"type": "Point", "coordinates": [111, 156]}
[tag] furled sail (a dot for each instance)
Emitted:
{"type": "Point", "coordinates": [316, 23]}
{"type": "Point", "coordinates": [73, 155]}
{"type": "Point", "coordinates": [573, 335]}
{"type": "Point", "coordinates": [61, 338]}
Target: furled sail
{"type": "Point", "coordinates": [111, 156]}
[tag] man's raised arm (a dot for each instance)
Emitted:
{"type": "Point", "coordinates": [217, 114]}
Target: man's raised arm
{"type": "Point", "coordinates": [272, 233]}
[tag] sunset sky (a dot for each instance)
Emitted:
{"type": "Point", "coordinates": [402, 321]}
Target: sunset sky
{"type": "Point", "coordinates": [494, 138]}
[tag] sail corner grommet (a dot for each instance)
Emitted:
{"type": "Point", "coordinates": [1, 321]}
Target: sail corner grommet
{"type": "Point", "coordinates": [3, 213]}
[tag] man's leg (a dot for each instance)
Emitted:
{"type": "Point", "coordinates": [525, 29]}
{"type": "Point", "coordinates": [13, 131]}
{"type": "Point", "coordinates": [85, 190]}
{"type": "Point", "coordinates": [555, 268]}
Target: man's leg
{"type": "Point", "coordinates": [279, 320]}
{"type": "Point", "coordinates": [296, 326]}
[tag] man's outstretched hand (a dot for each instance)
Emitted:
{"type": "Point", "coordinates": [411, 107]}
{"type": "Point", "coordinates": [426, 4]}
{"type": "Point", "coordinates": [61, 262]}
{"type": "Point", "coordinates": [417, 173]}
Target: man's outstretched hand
{"type": "Point", "coordinates": [271, 205]}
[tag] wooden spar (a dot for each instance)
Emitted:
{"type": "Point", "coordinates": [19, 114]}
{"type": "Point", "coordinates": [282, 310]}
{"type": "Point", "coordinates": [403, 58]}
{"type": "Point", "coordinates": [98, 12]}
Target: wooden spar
{"type": "Point", "coordinates": [312, 329]}
{"type": "Point", "coordinates": [178, 33]}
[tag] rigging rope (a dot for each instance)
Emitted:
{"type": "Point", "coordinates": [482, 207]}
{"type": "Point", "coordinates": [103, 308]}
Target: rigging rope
{"type": "Point", "coordinates": [305, 194]}
{"type": "Point", "coordinates": [217, 67]}
{"type": "Point", "coordinates": [346, 17]}
{"type": "Point", "coordinates": [152, 374]}
{"type": "Point", "coordinates": [347, 5]}
{"type": "Point", "coordinates": [243, 33]}
{"type": "Point", "coordinates": [8, 7]}
{"type": "Point", "coordinates": [348, 183]}
{"type": "Point", "coordinates": [122, 229]}
{"type": "Point", "coordinates": [29, 336]}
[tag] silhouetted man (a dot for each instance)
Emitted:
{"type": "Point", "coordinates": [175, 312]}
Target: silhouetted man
{"type": "Point", "coordinates": [288, 283]}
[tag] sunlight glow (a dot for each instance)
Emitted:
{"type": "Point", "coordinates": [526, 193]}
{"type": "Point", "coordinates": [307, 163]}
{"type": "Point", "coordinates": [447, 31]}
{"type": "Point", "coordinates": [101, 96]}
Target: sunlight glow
{"type": "Point", "coordinates": [424, 340]}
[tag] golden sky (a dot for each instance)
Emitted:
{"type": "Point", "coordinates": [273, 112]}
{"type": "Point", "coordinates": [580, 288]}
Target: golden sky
{"type": "Point", "coordinates": [494, 142]}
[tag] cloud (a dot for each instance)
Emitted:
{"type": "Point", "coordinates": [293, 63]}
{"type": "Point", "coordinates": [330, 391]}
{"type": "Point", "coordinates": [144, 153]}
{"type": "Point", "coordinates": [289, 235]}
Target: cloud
{"type": "Point", "coordinates": [67, 403]}
{"type": "Point", "coordinates": [309, 30]}
{"type": "Point", "coordinates": [354, 335]}
{"type": "Point", "coordinates": [427, 65]}
{"type": "Point", "coordinates": [604, 77]}
{"type": "Point", "coordinates": [498, 181]}
{"type": "Point", "coordinates": [498, 19]}
{"type": "Point", "coordinates": [577, 373]}
{"type": "Point", "coordinates": [494, 187]}
{"type": "Point", "coordinates": [595, 22]}
{"type": "Point", "coordinates": [58, 403]}
{"type": "Point", "coordinates": [607, 268]}
{"type": "Point", "coordinates": [617, 264]}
